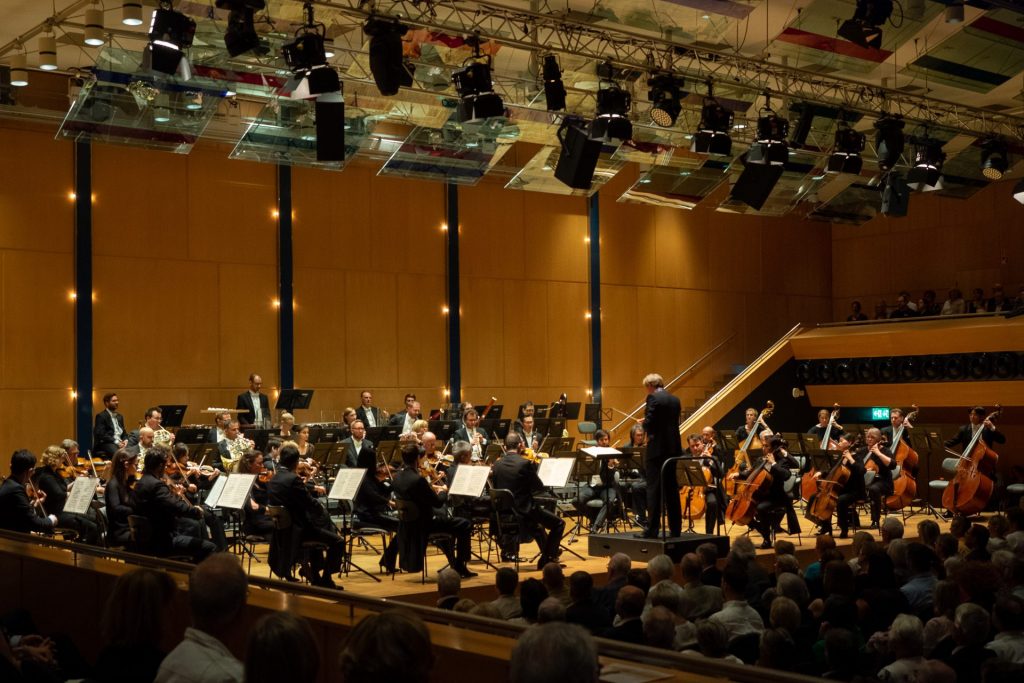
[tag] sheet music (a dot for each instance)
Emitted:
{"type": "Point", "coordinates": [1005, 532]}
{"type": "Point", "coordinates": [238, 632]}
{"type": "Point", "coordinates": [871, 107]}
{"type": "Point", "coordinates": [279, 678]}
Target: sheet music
{"type": "Point", "coordinates": [80, 496]}
{"type": "Point", "coordinates": [469, 481]}
{"type": "Point", "coordinates": [214, 495]}
{"type": "Point", "coordinates": [598, 451]}
{"type": "Point", "coordinates": [555, 471]}
{"type": "Point", "coordinates": [235, 491]}
{"type": "Point", "coordinates": [346, 484]}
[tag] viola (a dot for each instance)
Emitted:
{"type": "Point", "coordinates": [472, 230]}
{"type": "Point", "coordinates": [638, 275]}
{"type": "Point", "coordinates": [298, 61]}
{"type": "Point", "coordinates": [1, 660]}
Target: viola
{"type": "Point", "coordinates": [969, 491]}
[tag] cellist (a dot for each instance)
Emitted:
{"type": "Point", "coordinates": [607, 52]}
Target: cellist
{"type": "Point", "coordinates": [699, 449]}
{"type": "Point", "coordinates": [781, 463]}
{"type": "Point", "coordinates": [852, 492]}
{"type": "Point", "coordinates": [990, 435]}
{"type": "Point", "coordinates": [881, 486]}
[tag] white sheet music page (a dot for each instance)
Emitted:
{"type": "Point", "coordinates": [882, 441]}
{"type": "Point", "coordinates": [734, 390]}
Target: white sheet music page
{"type": "Point", "coordinates": [236, 490]}
{"type": "Point", "coordinates": [555, 471]}
{"type": "Point", "coordinates": [80, 496]}
{"type": "Point", "coordinates": [218, 486]}
{"type": "Point", "coordinates": [597, 451]}
{"type": "Point", "coordinates": [469, 481]}
{"type": "Point", "coordinates": [346, 484]}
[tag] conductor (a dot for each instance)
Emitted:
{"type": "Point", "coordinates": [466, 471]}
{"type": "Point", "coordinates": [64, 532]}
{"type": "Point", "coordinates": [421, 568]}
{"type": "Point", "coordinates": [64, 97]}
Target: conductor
{"type": "Point", "coordinates": [661, 422]}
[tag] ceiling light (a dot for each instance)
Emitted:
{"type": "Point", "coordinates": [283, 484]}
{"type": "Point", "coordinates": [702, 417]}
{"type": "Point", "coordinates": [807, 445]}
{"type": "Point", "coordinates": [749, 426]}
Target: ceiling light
{"type": "Point", "coordinates": [19, 74]}
{"type": "Point", "coordinates": [845, 157]}
{"type": "Point", "coordinates": [955, 13]}
{"type": "Point", "coordinates": [612, 120]}
{"type": "Point", "coordinates": [770, 145]}
{"type": "Point", "coordinates": [94, 27]}
{"type": "Point", "coordinates": [329, 47]}
{"type": "Point", "coordinates": [928, 161]}
{"type": "Point", "coordinates": [388, 65]}
{"type": "Point", "coordinates": [579, 156]}
{"type": "Point", "coordinates": [712, 136]}
{"type": "Point", "coordinates": [665, 93]}
{"type": "Point", "coordinates": [889, 141]}
{"type": "Point", "coordinates": [478, 99]}
{"type": "Point", "coordinates": [170, 32]}
{"type": "Point", "coordinates": [240, 36]}
{"type": "Point", "coordinates": [305, 56]}
{"type": "Point", "coordinates": [131, 14]}
{"type": "Point", "coordinates": [554, 88]}
{"type": "Point", "coordinates": [995, 158]}
{"type": "Point", "coordinates": [47, 52]}
{"type": "Point", "coordinates": [865, 28]}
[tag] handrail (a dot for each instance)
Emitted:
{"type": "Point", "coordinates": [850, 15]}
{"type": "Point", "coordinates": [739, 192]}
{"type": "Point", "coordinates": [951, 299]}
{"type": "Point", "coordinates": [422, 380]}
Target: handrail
{"type": "Point", "coordinates": [606, 648]}
{"type": "Point", "coordinates": [675, 379]}
{"type": "Point", "coordinates": [883, 321]}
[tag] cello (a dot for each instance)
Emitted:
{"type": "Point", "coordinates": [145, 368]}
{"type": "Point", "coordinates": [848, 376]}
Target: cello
{"type": "Point", "coordinates": [968, 492]}
{"type": "Point", "coordinates": [731, 480]}
{"type": "Point", "coordinates": [822, 503]}
{"type": "Point", "coordinates": [751, 491]}
{"type": "Point", "coordinates": [691, 498]}
{"type": "Point", "coordinates": [809, 483]}
{"type": "Point", "coordinates": [905, 486]}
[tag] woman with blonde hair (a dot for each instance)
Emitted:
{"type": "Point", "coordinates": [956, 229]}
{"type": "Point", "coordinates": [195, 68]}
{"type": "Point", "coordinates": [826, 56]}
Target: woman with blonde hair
{"type": "Point", "coordinates": [49, 481]}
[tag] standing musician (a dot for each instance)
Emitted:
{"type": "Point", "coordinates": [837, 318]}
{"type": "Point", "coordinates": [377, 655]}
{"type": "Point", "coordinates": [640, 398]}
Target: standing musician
{"type": "Point", "coordinates": [703, 451]}
{"type": "Point", "coordinates": [515, 473]}
{"type": "Point", "coordinates": [310, 522]}
{"type": "Point", "coordinates": [360, 449]}
{"type": "Point", "coordinates": [48, 481]}
{"type": "Point", "coordinates": [749, 425]}
{"type": "Point", "coordinates": [881, 456]}
{"type": "Point", "coordinates": [661, 423]}
{"type": "Point", "coordinates": [897, 418]}
{"type": "Point", "coordinates": [780, 463]}
{"type": "Point", "coordinates": [17, 511]}
{"type": "Point", "coordinates": [604, 491]}
{"type": "Point", "coordinates": [471, 432]}
{"type": "Point", "coordinates": [253, 405]}
{"type": "Point", "coordinates": [108, 432]}
{"type": "Point", "coordinates": [422, 498]}
{"type": "Point", "coordinates": [531, 437]}
{"type": "Point", "coordinates": [118, 497]}
{"type": "Point", "coordinates": [819, 429]}
{"type": "Point", "coordinates": [375, 509]}
{"type": "Point", "coordinates": [367, 412]}
{"type": "Point", "coordinates": [990, 435]}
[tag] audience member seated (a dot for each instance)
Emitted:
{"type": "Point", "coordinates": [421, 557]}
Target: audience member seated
{"type": "Point", "coordinates": [669, 596]}
{"type": "Point", "coordinates": [710, 574]}
{"type": "Point", "coordinates": [964, 651]}
{"type": "Point", "coordinates": [700, 600]}
{"type": "Point", "coordinates": [619, 565]}
{"type": "Point", "coordinates": [777, 651]}
{"type": "Point", "coordinates": [390, 646]}
{"type": "Point", "coordinates": [506, 580]}
{"type": "Point", "coordinates": [550, 609]}
{"type": "Point", "coordinates": [640, 578]}
{"type": "Point", "coordinates": [1008, 621]}
{"type": "Point", "coordinates": [738, 617]}
{"type": "Point", "coordinates": [583, 609]}
{"type": "Point", "coordinates": [629, 606]}
{"type": "Point", "coordinates": [553, 653]}
{"type": "Point", "coordinates": [659, 628]}
{"type": "Point", "coordinates": [531, 594]}
{"type": "Point", "coordinates": [449, 583]}
{"type": "Point", "coordinates": [132, 627]}
{"type": "Point", "coordinates": [281, 647]}
{"type": "Point", "coordinates": [906, 647]}
{"type": "Point", "coordinates": [554, 581]}
{"type": "Point", "coordinates": [713, 642]}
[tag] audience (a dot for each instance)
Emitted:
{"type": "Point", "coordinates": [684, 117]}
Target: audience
{"type": "Point", "coordinates": [619, 565]}
{"type": "Point", "coordinates": [583, 609]}
{"type": "Point", "coordinates": [554, 581]}
{"type": "Point", "coordinates": [701, 600]}
{"type": "Point", "coordinates": [449, 583]}
{"type": "Point", "coordinates": [506, 580]}
{"type": "Point", "coordinates": [133, 627]}
{"type": "Point", "coordinates": [738, 617]}
{"type": "Point", "coordinates": [629, 606]}
{"type": "Point", "coordinates": [390, 646]}
{"type": "Point", "coordinates": [281, 647]}
{"type": "Point", "coordinates": [552, 653]}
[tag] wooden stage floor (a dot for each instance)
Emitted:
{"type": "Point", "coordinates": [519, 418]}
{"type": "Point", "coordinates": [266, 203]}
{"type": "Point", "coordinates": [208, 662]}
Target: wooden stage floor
{"type": "Point", "coordinates": [408, 587]}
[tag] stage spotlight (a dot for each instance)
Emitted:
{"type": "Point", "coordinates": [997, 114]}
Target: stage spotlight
{"type": "Point", "coordinates": [579, 156]}
{"type": "Point", "coordinates": [47, 53]}
{"type": "Point", "coordinates": [845, 157]}
{"type": "Point", "coordinates": [865, 28]}
{"type": "Point", "coordinates": [712, 136]}
{"type": "Point", "coordinates": [94, 27]}
{"type": "Point", "coordinates": [994, 159]}
{"type": "Point", "coordinates": [19, 72]}
{"type": "Point", "coordinates": [612, 121]}
{"type": "Point", "coordinates": [387, 64]}
{"type": "Point", "coordinates": [770, 142]}
{"type": "Point", "coordinates": [170, 32]}
{"type": "Point", "coordinates": [554, 88]}
{"type": "Point", "coordinates": [478, 99]}
{"type": "Point", "coordinates": [240, 36]}
{"type": "Point", "coordinates": [928, 160]}
{"type": "Point", "coordinates": [330, 127]}
{"type": "Point", "coordinates": [131, 14]}
{"type": "Point", "coordinates": [895, 196]}
{"type": "Point", "coordinates": [889, 141]}
{"type": "Point", "coordinates": [665, 93]}
{"type": "Point", "coordinates": [955, 13]}
{"type": "Point", "coordinates": [305, 56]}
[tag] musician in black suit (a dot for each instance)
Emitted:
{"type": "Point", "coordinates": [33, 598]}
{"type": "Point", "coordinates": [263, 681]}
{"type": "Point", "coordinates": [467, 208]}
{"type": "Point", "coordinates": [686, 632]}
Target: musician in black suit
{"type": "Point", "coordinates": [375, 509]}
{"type": "Point", "coordinates": [17, 512]}
{"type": "Point", "coordinates": [48, 481]}
{"type": "Point", "coordinates": [896, 420]}
{"type": "Point", "coordinates": [220, 423]}
{"type": "Point", "coordinates": [989, 434]}
{"type": "Point", "coordinates": [471, 432]}
{"type": "Point", "coordinates": [519, 476]}
{"type": "Point", "coordinates": [360, 451]}
{"type": "Point", "coordinates": [699, 450]}
{"type": "Point", "coordinates": [256, 403]}
{"type": "Point", "coordinates": [406, 418]}
{"type": "Point", "coordinates": [874, 452]}
{"type": "Point", "coordinates": [777, 503]}
{"type": "Point", "coordinates": [108, 432]}
{"type": "Point", "coordinates": [853, 490]}
{"type": "Point", "coordinates": [309, 522]}
{"type": "Point", "coordinates": [154, 500]}
{"type": "Point", "coordinates": [661, 423]}
{"type": "Point", "coordinates": [419, 521]}
{"type": "Point", "coordinates": [368, 413]}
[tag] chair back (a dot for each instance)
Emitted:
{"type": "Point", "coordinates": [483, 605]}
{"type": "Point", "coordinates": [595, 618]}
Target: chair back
{"type": "Point", "coordinates": [280, 517]}
{"type": "Point", "coordinates": [407, 512]}
{"type": "Point", "coordinates": [140, 530]}
{"type": "Point", "coordinates": [586, 427]}
{"type": "Point", "coordinates": [502, 501]}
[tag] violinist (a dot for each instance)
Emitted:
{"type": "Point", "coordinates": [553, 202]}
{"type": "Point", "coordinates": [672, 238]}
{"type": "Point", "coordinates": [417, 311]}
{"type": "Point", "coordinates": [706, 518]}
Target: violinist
{"type": "Point", "coordinates": [604, 490]}
{"type": "Point", "coordinates": [191, 480]}
{"type": "Point", "coordinates": [189, 474]}
{"type": "Point", "coordinates": [438, 468]}
{"type": "Point", "coordinates": [117, 497]}
{"type": "Point", "coordinates": [780, 464]}
{"type": "Point", "coordinates": [881, 456]}
{"type": "Point", "coordinates": [48, 481]}
{"type": "Point", "coordinates": [255, 521]}
{"type": "Point", "coordinates": [702, 450]}
{"type": "Point", "coordinates": [302, 441]}
{"type": "Point", "coordinates": [471, 432]}
{"type": "Point", "coordinates": [17, 511]}
{"type": "Point", "coordinates": [360, 451]}
{"type": "Point", "coordinates": [896, 420]}
{"type": "Point", "coordinates": [375, 509]}
{"type": "Point", "coordinates": [989, 434]}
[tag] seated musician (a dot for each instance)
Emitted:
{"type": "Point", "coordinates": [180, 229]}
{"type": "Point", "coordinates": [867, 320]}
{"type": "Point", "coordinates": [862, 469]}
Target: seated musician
{"type": "Point", "coordinates": [229, 449]}
{"type": "Point", "coordinates": [255, 521]}
{"type": "Point", "coordinates": [154, 420]}
{"type": "Point", "coordinates": [17, 511]}
{"type": "Point", "coordinates": [287, 427]}
{"type": "Point", "coordinates": [118, 497]}
{"type": "Point", "coordinates": [881, 486]}
{"type": "Point", "coordinates": [978, 422]}
{"type": "Point", "coordinates": [144, 441]}
{"type": "Point", "coordinates": [189, 473]}
{"type": "Point", "coordinates": [375, 509]}
{"type": "Point", "coordinates": [360, 451]}
{"type": "Point", "coordinates": [780, 464]}
{"type": "Point", "coordinates": [108, 432]}
{"type": "Point", "coordinates": [518, 475]}
{"type": "Point", "coordinates": [853, 490]}
{"type": "Point", "coordinates": [531, 437]}
{"type": "Point", "coordinates": [309, 522]}
{"type": "Point", "coordinates": [428, 444]}
{"type": "Point", "coordinates": [420, 522]}
{"type": "Point", "coordinates": [634, 486]}
{"type": "Point", "coordinates": [897, 418]}
{"type": "Point", "coordinates": [470, 431]}
{"type": "Point", "coordinates": [154, 500]}
{"type": "Point", "coordinates": [49, 481]}
{"type": "Point", "coordinates": [193, 484]}
{"type": "Point", "coordinates": [819, 429]}
{"type": "Point", "coordinates": [605, 490]}
{"type": "Point", "coordinates": [405, 418]}
{"type": "Point", "coordinates": [699, 449]}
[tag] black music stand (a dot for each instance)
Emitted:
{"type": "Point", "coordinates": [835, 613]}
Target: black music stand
{"type": "Point", "coordinates": [294, 399]}
{"type": "Point", "coordinates": [566, 411]}
{"type": "Point", "coordinates": [493, 414]}
{"type": "Point", "coordinates": [173, 415]}
{"type": "Point", "coordinates": [633, 460]}
{"type": "Point", "coordinates": [592, 413]}
{"type": "Point", "coordinates": [690, 473]}
{"type": "Point", "coordinates": [192, 435]}
{"type": "Point", "coordinates": [811, 444]}
{"type": "Point", "coordinates": [442, 429]}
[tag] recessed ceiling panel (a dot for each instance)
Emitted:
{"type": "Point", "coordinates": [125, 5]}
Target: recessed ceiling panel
{"type": "Point", "coordinates": [452, 154]}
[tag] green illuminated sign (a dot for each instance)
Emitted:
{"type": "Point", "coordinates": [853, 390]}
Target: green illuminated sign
{"type": "Point", "coordinates": [879, 414]}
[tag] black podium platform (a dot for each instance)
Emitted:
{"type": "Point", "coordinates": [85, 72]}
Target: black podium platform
{"type": "Point", "coordinates": [643, 549]}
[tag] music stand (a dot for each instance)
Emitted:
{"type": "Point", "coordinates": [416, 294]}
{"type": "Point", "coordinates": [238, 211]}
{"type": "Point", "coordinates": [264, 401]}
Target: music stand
{"type": "Point", "coordinates": [564, 443]}
{"type": "Point", "coordinates": [493, 453]}
{"type": "Point", "coordinates": [690, 473]}
{"type": "Point", "coordinates": [539, 412]}
{"type": "Point", "coordinates": [192, 435]}
{"type": "Point", "coordinates": [442, 429]}
{"type": "Point", "coordinates": [584, 470]}
{"type": "Point", "coordinates": [173, 415]}
{"type": "Point", "coordinates": [730, 441]}
{"type": "Point", "coordinates": [294, 399]}
{"type": "Point", "coordinates": [203, 453]}
{"type": "Point", "coordinates": [494, 413]}
{"type": "Point", "coordinates": [556, 427]}
{"type": "Point", "coordinates": [811, 443]}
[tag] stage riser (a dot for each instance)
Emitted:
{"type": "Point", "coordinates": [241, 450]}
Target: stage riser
{"type": "Point", "coordinates": [643, 549]}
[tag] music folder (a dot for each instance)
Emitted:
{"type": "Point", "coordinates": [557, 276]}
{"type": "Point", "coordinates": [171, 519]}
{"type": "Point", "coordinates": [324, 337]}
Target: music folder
{"type": "Point", "coordinates": [346, 484]}
{"type": "Point", "coordinates": [173, 415]}
{"type": "Point", "coordinates": [554, 472]}
{"type": "Point", "coordinates": [601, 452]}
{"type": "Point", "coordinates": [469, 481]}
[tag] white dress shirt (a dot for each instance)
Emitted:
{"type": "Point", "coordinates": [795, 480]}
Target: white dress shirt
{"type": "Point", "coordinates": [200, 658]}
{"type": "Point", "coordinates": [257, 409]}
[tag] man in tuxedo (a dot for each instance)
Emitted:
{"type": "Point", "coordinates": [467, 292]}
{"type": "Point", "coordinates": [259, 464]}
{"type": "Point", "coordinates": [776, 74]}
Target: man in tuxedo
{"type": "Point", "coordinates": [220, 423]}
{"type": "Point", "coordinates": [224, 455]}
{"type": "Point", "coordinates": [367, 412]}
{"type": "Point", "coordinates": [472, 433]}
{"type": "Point", "coordinates": [989, 434]}
{"type": "Point", "coordinates": [531, 437]}
{"type": "Point", "coordinates": [255, 402]}
{"type": "Point", "coordinates": [108, 432]}
{"type": "Point", "coordinates": [515, 473]}
{"type": "Point", "coordinates": [155, 501]}
{"type": "Point", "coordinates": [661, 423]}
{"type": "Point", "coordinates": [360, 449]}
{"type": "Point", "coordinates": [143, 443]}
{"type": "Point", "coordinates": [405, 418]}
{"type": "Point", "coordinates": [16, 510]}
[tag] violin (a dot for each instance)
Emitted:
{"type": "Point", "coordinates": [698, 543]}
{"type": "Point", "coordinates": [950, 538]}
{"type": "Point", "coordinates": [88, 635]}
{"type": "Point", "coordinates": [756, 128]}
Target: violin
{"type": "Point", "coordinates": [265, 476]}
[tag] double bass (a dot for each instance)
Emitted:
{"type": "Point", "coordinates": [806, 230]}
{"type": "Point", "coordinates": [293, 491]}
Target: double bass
{"type": "Point", "coordinates": [968, 492]}
{"type": "Point", "coordinates": [809, 483]}
{"type": "Point", "coordinates": [905, 486]}
{"type": "Point", "coordinates": [751, 491]}
{"type": "Point", "coordinates": [731, 480]}
{"type": "Point", "coordinates": [821, 505]}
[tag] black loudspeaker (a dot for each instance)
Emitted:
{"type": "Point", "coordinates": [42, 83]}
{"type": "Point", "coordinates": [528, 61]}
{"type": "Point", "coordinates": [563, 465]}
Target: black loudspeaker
{"type": "Point", "coordinates": [886, 369]}
{"type": "Point", "coordinates": [908, 368]}
{"type": "Point", "coordinates": [895, 197]}
{"type": "Point", "coordinates": [864, 369]}
{"type": "Point", "coordinates": [823, 372]}
{"type": "Point", "coordinates": [330, 130]}
{"type": "Point", "coordinates": [1004, 365]}
{"type": "Point", "coordinates": [955, 367]}
{"type": "Point", "coordinates": [804, 373]}
{"type": "Point", "coordinates": [755, 184]}
{"type": "Point", "coordinates": [933, 367]}
{"type": "Point", "coordinates": [979, 366]}
{"type": "Point", "coordinates": [579, 157]}
{"type": "Point", "coordinates": [844, 372]}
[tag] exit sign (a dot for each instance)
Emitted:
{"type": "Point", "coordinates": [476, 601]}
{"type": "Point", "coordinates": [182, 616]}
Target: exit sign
{"type": "Point", "coordinates": [879, 413]}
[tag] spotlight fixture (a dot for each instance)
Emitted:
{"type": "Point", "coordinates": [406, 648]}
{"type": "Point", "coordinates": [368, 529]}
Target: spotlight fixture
{"type": "Point", "coordinates": [612, 121]}
{"type": "Point", "coordinates": [94, 27]}
{"type": "Point", "coordinates": [865, 28]}
{"type": "Point", "coordinates": [889, 141]}
{"type": "Point", "coordinates": [1018, 189]}
{"type": "Point", "coordinates": [845, 157]}
{"type": "Point", "coordinates": [554, 88]}
{"type": "Point", "coordinates": [305, 56]}
{"type": "Point", "coordinates": [995, 158]}
{"type": "Point", "coordinates": [478, 101]}
{"type": "Point", "coordinates": [240, 36]}
{"type": "Point", "coordinates": [19, 72]}
{"type": "Point", "coordinates": [665, 93]}
{"type": "Point", "coordinates": [579, 156]}
{"type": "Point", "coordinates": [389, 67]}
{"type": "Point", "coordinates": [131, 14]}
{"type": "Point", "coordinates": [170, 33]}
{"type": "Point", "coordinates": [48, 52]}
{"type": "Point", "coordinates": [712, 136]}
{"type": "Point", "coordinates": [955, 13]}
{"type": "Point", "coordinates": [928, 160]}
{"type": "Point", "coordinates": [770, 142]}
